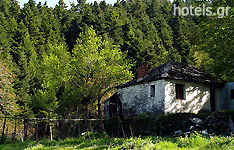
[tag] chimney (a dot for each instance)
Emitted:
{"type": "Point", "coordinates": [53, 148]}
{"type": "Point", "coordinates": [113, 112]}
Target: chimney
{"type": "Point", "coordinates": [143, 69]}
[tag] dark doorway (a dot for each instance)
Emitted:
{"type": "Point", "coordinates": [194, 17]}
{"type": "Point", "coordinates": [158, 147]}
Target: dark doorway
{"type": "Point", "coordinates": [113, 109]}
{"type": "Point", "coordinates": [113, 106]}
{"type": "Point", "coordinates": [212, 99]}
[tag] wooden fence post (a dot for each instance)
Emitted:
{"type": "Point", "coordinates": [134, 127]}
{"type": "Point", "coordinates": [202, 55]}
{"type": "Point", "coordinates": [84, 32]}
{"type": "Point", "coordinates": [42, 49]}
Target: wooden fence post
{"type": "Point", "coordinates": [20, 133]}
{"type": "Point", "coordinates": [118, 128]}
{"type": "Point", "coordinates": [51, 133]}
{"type": "Point", "coordinates": [79, 128]}
{"type": "Point", "coordinates": [45, 129]}
{"type": "Point", "coordinates": [7, 129]}
{"type": "Point", "coordinates": [15, 128]}
{"type": "Point", "coordinates": [36, 134]}
{"type": "Point", "coordinates": [3, 130]}
{"type": "Point", "coordinates": [19, 122]}
{"type": "Point", "coordinates": [87, 121]}
{"type": "Point", "coordinates": [121, 125]}
{"type": "Point", "coordinates": [24, 125]}
{"type": "Point", "coordinates": [75, 124]}
{"type": "Point", "coordinates": [25, 128]}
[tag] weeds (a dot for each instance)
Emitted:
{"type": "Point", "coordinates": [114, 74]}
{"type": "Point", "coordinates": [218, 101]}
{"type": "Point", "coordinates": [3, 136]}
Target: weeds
{"type": "Point", "coordinates": [102, 141]}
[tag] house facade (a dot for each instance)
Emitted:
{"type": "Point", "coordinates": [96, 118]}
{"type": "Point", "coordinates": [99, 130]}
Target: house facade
{"type": "Point", "coordinates": [173, 88]}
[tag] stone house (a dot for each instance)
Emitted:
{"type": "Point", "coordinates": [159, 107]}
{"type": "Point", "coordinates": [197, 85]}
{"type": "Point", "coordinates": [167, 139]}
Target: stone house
{"type": "Point", "coordinates": [170, 88]}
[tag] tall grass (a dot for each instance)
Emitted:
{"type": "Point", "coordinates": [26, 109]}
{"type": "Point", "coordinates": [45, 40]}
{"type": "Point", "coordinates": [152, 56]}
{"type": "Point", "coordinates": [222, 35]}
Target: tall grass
{"type": "Point", "coordinates": [95, 141]}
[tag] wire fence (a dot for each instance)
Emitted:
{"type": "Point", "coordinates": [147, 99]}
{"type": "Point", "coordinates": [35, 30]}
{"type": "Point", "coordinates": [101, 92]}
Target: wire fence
{"type": "Point", "coordinates": [24, 128]}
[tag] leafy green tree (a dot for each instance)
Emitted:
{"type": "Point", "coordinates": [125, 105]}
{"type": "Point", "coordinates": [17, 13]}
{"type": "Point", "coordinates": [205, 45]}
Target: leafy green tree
{"type": "Point", "coordinates": [218, 41]}
{"type": "Point", "coordinates": [55, 66]}
{"type": "Point", "coordinates": [97, 67]}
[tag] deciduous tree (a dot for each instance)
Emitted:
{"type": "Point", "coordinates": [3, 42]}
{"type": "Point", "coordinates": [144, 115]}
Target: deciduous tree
{"type": "Point", "coordinates": [97, 67]}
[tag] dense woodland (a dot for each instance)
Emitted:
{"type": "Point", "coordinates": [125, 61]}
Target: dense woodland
{"type": "Point", "coordinates": [64, 61]}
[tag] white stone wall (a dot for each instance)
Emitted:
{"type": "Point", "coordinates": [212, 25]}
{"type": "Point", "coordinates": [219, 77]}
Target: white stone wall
{"type": "Point", "coordinates": [197, 97]}
{"type": "Point", "coordinates": [136, 99]}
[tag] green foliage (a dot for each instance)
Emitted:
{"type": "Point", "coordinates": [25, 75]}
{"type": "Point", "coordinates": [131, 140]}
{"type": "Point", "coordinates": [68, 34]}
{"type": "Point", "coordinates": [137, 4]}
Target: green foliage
{"type": "Point", "coordinates": [59, 61]}
{"type": "Point", "coordinates": [218, 44]}
{"type": "Point", "coordinates": [54, 66]}
{"type": "Point", "coordinates": [7, 95]}
{"type": "Point", "coordinates": [195, 142]}
{"type": "Point", "coordinates": [97, 67]}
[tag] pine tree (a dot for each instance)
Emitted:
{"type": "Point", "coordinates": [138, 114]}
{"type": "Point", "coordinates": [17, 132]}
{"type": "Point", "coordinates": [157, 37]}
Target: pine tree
{"type": "Point", "coordinates": [99, 25]}
{"type": "Point", "coordinates": [181, 31]}
{"type": "Point", "coordinates": [15, 10]}
{"type": "Point", "coordinates": [32, 21]}
{"type": "Point", "coordinates": [5, 39]}
{"type": "Point", "coordinates": [27, 73]}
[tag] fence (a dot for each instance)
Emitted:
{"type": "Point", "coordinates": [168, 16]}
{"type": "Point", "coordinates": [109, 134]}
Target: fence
{"type": "Point", "coordinates": [24, 128]}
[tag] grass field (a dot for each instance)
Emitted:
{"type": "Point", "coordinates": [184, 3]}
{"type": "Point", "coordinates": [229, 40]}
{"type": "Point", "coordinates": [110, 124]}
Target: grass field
{"type": "Point", "coordinates": [195, 141]}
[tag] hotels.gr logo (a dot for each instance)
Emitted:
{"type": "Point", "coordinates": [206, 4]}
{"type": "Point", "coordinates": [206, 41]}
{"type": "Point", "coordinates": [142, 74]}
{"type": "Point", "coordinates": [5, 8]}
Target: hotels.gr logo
{"type": "Point", "coordinates": [198, 11]}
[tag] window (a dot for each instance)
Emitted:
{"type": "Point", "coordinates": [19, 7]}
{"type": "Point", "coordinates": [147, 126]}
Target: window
{"type": "Point", "coordinates": [232, 93]}
{"type": "Point", "coordinates": [179, 91]}
{"type": "Point", "coordinates": [152, 90]}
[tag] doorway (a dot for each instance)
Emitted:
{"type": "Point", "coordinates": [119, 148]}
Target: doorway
{"type": "Point", "coordinates": [212, 99]}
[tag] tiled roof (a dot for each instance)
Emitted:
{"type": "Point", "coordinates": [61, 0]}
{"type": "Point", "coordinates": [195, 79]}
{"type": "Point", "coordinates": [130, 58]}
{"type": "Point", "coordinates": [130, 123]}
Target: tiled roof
{"type": "Point", "coordinates": [177, 71]}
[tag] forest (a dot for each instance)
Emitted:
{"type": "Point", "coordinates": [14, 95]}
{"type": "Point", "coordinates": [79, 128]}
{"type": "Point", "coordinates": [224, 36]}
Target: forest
{"type": "Point", "coordinates": [63, 61]}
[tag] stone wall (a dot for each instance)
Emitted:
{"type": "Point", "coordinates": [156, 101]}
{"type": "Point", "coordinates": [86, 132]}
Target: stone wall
{"type": "Point", "coordinates": [217, 123]}
{"type": "Point", "coordinates": [136, 99]}
{"type": "Point", "coordinates": [197, 97]}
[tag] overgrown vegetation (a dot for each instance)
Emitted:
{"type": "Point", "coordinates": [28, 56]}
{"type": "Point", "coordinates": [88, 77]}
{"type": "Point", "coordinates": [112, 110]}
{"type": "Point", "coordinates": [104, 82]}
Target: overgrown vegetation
{"type": "Point", "coordinates": [68, 60]}
{"type": "Point", "coordinates": [94, 141]}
